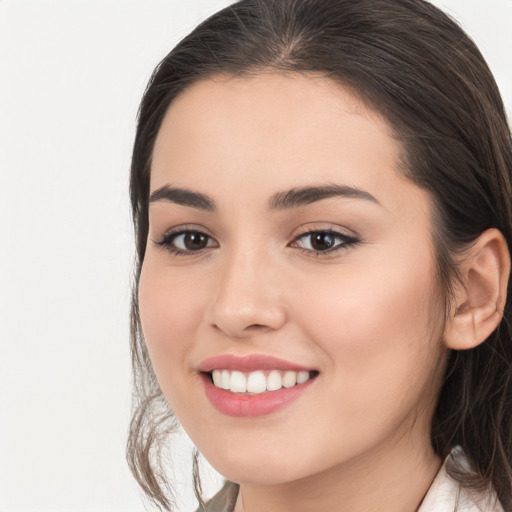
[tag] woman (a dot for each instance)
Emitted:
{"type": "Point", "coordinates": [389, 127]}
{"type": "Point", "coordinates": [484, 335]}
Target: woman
{"type": "Point", "coordinates": [321, 195]}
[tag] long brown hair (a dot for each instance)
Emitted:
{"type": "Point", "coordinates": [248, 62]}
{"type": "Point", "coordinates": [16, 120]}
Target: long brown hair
{"type": "Point", "coordinates": [413, 64]}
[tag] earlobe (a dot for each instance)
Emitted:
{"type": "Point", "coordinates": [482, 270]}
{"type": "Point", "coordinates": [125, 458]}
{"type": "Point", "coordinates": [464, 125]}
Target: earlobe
{"type": "Point", "coordinates": [480, 296]}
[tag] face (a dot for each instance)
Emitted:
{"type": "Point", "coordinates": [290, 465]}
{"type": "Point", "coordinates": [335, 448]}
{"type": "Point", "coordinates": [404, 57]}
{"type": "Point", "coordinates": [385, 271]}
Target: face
{"type": "Point", "coordinates": [287, 253]}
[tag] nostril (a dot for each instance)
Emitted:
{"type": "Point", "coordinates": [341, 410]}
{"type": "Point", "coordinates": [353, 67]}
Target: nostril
{"type": "Point", "coordinates": [248, 329]}
{"type": "Point", "coordinates": [247, 319]}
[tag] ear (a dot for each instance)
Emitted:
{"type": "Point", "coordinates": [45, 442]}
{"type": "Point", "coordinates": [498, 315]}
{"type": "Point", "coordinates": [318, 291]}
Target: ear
{"type": "Point", "coordinates": [481, 295]}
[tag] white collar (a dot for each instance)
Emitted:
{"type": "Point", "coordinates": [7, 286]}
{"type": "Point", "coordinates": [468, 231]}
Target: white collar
{"type": "Point", "coordinates": [447, 495]}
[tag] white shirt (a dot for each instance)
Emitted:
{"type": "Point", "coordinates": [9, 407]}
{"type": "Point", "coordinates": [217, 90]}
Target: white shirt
{"type": "Point", "coordinates": [444, 495]}
{"type": "Point", "coordinates": [447, 495]}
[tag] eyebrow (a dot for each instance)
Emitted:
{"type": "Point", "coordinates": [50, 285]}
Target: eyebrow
{"type": "Point", "coordinates": [293, 198]}
{"type": "Point", "coordinates": [306, 195]}
{"type": "Point", "coordinates": [184, 197]}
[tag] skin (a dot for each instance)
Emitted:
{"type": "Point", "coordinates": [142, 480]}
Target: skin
{"type": "Point", "coordinates": [365, 316]}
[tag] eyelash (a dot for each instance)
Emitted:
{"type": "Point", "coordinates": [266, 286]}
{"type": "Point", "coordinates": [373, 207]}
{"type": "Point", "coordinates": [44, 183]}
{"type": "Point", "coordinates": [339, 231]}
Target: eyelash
{"type": "Point", "coordinates": [167, 240]}
{"type": "Point", "coordinates": [344, 242]}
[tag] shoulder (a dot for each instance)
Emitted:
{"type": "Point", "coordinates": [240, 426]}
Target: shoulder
{"type": "Point", "coordinates": [223, 501]}
{"type": "Point", "coordinates": [446, 494]}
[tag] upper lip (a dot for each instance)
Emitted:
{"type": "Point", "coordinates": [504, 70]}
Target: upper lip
{"type": "Point", "coordinates": [248, 363]}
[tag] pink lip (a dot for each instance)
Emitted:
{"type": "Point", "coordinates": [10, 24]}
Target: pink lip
{"type": "Point", "coordinates": [248, 363]}
{"type": "Point", "coordinates": [241, 405]}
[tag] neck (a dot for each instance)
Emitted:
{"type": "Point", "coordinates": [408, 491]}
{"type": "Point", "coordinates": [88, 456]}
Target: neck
{"type": "Point", "coordinates": [389, 480]}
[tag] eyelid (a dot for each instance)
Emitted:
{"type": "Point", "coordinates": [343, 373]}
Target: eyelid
{"type": "Point", "coordinates": [345, 240]}
{"type": "Point", "coordinates": [325, 226]}
{"type": "Point", "coordinates": [348, 240]}
{"type": "Point", "coordinates": [165, 240]}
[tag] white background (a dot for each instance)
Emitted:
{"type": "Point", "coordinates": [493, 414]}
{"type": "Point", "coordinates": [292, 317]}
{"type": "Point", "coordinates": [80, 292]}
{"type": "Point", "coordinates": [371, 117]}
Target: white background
{"type": "Point", "coordinates": [71, 75]}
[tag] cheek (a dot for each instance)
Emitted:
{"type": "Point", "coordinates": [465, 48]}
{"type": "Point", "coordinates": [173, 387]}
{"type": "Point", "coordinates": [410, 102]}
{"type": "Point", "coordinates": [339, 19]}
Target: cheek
{"type": "Point", "coordinates": [168, 306]}
{"type": "Point", "coordinates": [378, 330]}
{"type": "Point", "coordinates": [368, 301]}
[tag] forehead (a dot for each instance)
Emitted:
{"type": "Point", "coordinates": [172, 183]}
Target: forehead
{"type": "Point", "coordinates": [286, 130]}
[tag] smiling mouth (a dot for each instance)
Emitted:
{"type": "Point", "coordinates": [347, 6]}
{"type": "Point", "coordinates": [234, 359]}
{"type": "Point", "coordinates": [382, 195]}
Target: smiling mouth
{"type": "Point", "coordinates": [259, 381]}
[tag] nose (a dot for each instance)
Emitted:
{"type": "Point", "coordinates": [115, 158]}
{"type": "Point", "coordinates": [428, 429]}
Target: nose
{"type": "Point", "coordinates": [248, 298]}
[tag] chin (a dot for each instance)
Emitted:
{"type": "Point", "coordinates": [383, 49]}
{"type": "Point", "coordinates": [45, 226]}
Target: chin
{"type": "Point", "coordinates": [268, 471]}
{"type": "Point", "coordinates": [258, 474]}
{"type": "Point", "coordinates": [258, 469]}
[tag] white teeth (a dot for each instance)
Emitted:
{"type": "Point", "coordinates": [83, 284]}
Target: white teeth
{"type": "Point", "coordinates": [274, 381]}
{"type": "Point", "coordinates": [302, 377]}
{"type": "Point", "coordinates": [217, 378]}
{"type": "Point", "coordinates": [238, 382]}
{"type": "Point", "coordinates": [226, 379]}
{"type": "Point", "coordinates": [289, 379]}
{"type": "Point", "coordinates": [258, 381]}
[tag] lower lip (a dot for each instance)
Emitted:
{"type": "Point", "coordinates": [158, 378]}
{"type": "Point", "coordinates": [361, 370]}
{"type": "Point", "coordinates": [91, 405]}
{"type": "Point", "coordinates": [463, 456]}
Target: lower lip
{"type": "Point", "coordinates": [240, 405]}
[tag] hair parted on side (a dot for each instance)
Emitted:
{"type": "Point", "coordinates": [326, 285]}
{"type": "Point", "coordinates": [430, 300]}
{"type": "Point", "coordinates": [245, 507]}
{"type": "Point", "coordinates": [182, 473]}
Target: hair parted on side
{"type": "Point", "coordinates": [414, 65]}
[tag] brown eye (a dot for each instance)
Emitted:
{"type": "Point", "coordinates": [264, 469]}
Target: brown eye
{"type": "Point", "coordinates": [193, 240]}
{"type": "Point", "coordinates": [324, 241]}
{"type": "Point", "coordinates": [186, 242]}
